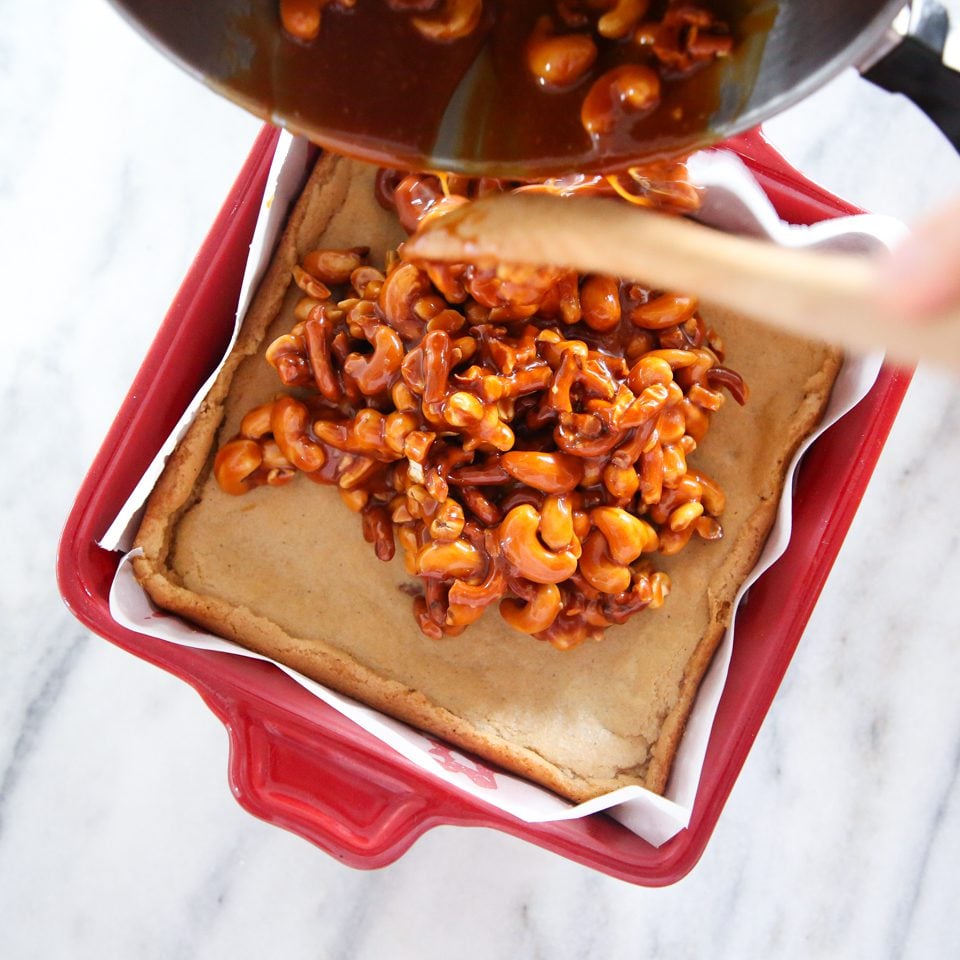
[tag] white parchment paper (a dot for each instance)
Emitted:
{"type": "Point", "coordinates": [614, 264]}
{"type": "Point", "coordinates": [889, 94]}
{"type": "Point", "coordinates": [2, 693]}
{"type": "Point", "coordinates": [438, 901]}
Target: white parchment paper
{"type": "Point", "coordinates": [734, 201]}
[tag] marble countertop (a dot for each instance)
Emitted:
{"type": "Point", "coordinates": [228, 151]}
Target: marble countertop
{"type": "Point", "coordinates": [118, 834]}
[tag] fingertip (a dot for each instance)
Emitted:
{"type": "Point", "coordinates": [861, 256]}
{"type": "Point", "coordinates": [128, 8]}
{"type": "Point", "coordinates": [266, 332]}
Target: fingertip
{"type": "Point", "coordinates": [917, 279]}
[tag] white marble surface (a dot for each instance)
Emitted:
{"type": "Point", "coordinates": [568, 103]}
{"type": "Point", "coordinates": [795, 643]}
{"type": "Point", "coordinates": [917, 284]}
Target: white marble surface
{"type": "Point", "coordinates": [118, 834]}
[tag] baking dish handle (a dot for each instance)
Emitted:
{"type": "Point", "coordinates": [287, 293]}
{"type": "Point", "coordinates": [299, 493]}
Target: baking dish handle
{"type": "Point", "coordinates": [348, 799]}
{"type": "Point", "coordinates": [915, 70]}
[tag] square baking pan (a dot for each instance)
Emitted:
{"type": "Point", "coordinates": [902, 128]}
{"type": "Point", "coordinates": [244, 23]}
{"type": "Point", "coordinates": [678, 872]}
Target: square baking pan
{"type": "Point", "coordinates": [296, 762]}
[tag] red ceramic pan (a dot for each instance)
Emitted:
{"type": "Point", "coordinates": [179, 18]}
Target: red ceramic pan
{"type": "Point", "coordinates": [296, 762]}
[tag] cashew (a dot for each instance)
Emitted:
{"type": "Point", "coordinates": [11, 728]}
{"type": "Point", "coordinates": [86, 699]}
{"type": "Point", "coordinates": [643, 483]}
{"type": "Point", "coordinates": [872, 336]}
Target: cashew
{"type": "Point", "coordinates": [536, 615]}
{"type": "Point", "coordinates": [622, 482]}
{"type": "Point", "coordinates": [684, 515]}
{"type": "Point", "coordinates": [627, 536]}
{"type": "Point", "coordinates": [651, 475]}
{"type": "Point", "coordinates": [675, 359]}
{"type": "Point", "coordinates": [649, 371]}
{"type": "Point", "coordinates": [673, 541]}
{"type": "Point", "coordinates": [564, 378]}
{"type": "Point", "coordinates": [660, 587]}
{"type": "Point", "coordinates": [378, 530]}
{"type": "Point", "coordinates": [448, 279]}
{"type": "Point", "coordinates": [462, 409]}
{"type": "Point", "coordinates": [558, 61]}
{"type": "Point", "coordinates": [671, 426]}
{"type": "Point", "coordinates": [718, 377]}
{"type": "Point", "coordinates": [334, 266]}
{"type": "Point", "coordinates": [288, 422]}
{"type": "Point", "coordinates": [599, 570]}
{"type": "Point", "coordinates": [631, 88]}
{"type": "Point", "coordinates": [667, 310]}
{"type": "Point", "coordinates": [335, 433]}
{"type": "Point", "coordinates": [645, 407]}
{"type": "Point", "coordinates": [373, 372]}
{"type": "Point", "coordinates": [708, 529]}
{"type": "Point", "coordinates": [234, 464]}
{"type": "Point", "coordinates": [600, 302]}
{"type": "Point", "coordinates": [310, 285]}
{"type": "Point", "coordinates": [696, 420]}
{"type": "Point", "coordinates": [450, 560]}
{"type": "Point", "coordinates": [316, 331]}
{"type": "Point", "coordinates": [430, 611]}
{"type": "Point", "coordinates": [436, 366]}
{"type": "Point", "coordinates": [404, 399]}
{"type": "Point", "coordinates": [624, 17]}
{"type": "Point", "coordinates": [367, 281]}
{"type": "Point", "coordinates": [355, 500]}
{"type": "Point", "coordinates": [491, 431]}
{"type": "Point", "coordinates": [417, 445]}
{"type": "Point", "coordinates": [583, 435]}
{"type": "Point", "coordinates": [354, 470]}
{"type": "Point", "coordinates": [273, 460]}
{"type": "Point", "coordinates": [397, 428]}
{"type": "Point", "coordinates": [522, 548]}
{"type": "Point", "coordinates": [458, 18]}
{"type": "Point", "coordinates": [447, 522]}
{"type": "Point", "coordinates": [674, 464]}
{"type": "Point", "coordinates": [414, 197]}
{"type": "Point", "coordinates": [713, 497]}
{"type": "Point", "coordinates": [368, 430]}
{"type": "Point", "coordinates": [482, 508]}
{"type": "Point", "coordinates": [410, 544]}
{"type": "Point", "coordinates": [556, 521]}
{"type": "Point", "coordinates": [442, 207]}
{"type": "Point", "coordinates": [401, 289]}
{"type": "Point", "coordinates": [301, 18]}
{"type": "Point", "coordinates": [703, 397]}
{"type": "Point", "coordinates": [369, 433]}
{"type": "Point", "coordinates": [459, 616]}
{"type": "Point", "coordinates": [529, 380]}
{"type": "Point", "coordinates": [686, 489]}
{"type": "Point", "coordinates": [288, 356]}
{"type": "Point", "coordinates": [481, 595]}
{"type": "Point", "coordinates": [549, 472]}
{"type": "Point", "coordinates": [256, 423]}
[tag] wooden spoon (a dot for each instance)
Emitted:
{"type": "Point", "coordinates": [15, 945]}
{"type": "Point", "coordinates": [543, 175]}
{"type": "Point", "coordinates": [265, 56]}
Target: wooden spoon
{"type": "Point", "coordinates": [826, 296]}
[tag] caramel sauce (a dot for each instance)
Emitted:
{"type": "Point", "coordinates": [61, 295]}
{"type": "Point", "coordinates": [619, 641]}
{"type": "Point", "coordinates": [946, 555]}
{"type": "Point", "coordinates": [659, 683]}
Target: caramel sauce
{"type": "Point", "coordinates": [372, 87]}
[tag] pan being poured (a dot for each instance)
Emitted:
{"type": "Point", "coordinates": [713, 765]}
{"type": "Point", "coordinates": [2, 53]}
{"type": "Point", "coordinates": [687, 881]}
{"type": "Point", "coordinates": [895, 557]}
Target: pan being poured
{"type": "Point", "coordinates": [401, 87]}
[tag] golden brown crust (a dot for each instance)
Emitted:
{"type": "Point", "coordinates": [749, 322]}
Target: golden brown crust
{"type": "Point", "coordinates": [285, 571]}
{"type": "Point", "coordinates": [808, 414]}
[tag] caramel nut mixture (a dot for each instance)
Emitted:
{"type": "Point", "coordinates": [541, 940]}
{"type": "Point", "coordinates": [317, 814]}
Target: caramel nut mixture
{"type": "Point", "coordinates": [663, 41]}
{"type": "Point", "coordinates": [522, 434]}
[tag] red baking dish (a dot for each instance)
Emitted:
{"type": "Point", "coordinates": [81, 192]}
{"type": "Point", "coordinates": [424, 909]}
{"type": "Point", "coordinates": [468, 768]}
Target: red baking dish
{"type": "Point", "coordinates": [296, 762]}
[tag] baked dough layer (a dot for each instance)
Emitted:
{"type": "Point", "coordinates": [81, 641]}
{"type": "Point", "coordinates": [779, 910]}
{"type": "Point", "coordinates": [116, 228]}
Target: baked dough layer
{"type": "Point", "coordinates": [286, 572]}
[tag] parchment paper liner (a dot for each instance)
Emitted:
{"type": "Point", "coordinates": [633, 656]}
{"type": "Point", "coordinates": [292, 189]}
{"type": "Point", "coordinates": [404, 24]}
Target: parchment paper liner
{"type": "Point", "coordinates": [733, 201]}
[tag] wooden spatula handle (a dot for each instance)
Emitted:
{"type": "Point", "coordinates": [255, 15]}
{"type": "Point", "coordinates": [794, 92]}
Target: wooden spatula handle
{"type": "Point", "coordinates": [827, 296]}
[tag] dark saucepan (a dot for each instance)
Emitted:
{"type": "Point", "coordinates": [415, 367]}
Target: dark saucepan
{"type": "Point", "coordinates": [371, 87]}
